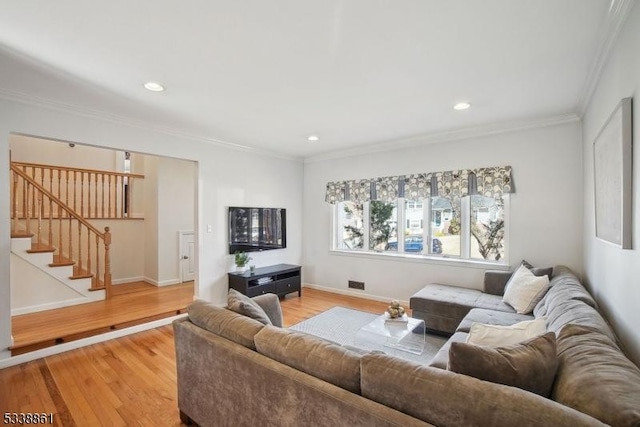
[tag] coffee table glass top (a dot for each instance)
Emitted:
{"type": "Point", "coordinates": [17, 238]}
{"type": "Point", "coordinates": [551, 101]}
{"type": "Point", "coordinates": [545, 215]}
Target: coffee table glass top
{"type": "Point", "coordinates": [401, 336]}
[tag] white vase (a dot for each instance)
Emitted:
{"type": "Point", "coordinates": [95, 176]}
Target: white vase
{"type": "Point", "coordinates": [241, 269]}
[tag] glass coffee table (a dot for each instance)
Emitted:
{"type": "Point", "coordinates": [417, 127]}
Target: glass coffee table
{"type": "Point", "coordinates": [403, 336]}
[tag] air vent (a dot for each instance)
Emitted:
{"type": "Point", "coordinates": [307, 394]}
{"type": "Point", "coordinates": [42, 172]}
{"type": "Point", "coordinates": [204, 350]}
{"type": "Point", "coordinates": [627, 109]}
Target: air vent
{"type": "Point", "coordinates": [356, 285]}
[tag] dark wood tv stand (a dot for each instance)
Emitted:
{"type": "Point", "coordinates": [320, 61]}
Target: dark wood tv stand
{"type": "Point", "coordinates": [278, 279]}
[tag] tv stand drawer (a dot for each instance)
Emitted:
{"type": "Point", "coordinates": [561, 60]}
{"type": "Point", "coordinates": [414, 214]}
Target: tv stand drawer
{"type": "Point", "coordinates": [285, 286]}
{"type": "Point", "coordinates": [269, 288]}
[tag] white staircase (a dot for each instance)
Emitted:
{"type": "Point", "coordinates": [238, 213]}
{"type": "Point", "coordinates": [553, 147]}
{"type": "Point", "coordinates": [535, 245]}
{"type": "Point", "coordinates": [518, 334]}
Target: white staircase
{"type": "Point", "coordinates": [42, 287]}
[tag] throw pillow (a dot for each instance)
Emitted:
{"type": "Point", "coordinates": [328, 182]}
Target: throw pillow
{"type": "Point", "coordinates": [498, 335]}
{"type": "Point", "coordinates": [524, 290]}
{"type": "Point", "coordinates": [538, 271]}
{"type": "Point", "coordinates": [530, 365]}
{"type": "Point", "coordinates": [244, 305]}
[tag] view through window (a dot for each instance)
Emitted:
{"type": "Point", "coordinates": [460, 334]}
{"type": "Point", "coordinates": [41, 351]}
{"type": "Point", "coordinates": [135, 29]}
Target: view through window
{"type": "Point", "coordinates": [472, 227]}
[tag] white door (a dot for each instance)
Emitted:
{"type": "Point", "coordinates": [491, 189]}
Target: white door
{"type": "Point", "coordinates": [187, 256]}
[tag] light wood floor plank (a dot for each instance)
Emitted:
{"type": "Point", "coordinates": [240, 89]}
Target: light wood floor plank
{"type": "Point", "coordinates": [132, 304]}
{"type": "Point", "coordinates": [129, 380]}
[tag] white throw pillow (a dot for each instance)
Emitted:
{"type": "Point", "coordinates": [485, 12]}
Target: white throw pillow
{"type": "Point", "coordinates": [524, 290]}
{"type": "Point", "coordinates": [502, 336]}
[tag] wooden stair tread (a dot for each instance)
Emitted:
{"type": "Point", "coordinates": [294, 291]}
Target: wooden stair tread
{"type": "Point", "coordinates": [21, 234]}
{"type": "Point", "coordinates": [80, 274]}
{"type": "Point", "coordinates": [38, 248]}
{"type": "Point", "coordinates": [60, 261]}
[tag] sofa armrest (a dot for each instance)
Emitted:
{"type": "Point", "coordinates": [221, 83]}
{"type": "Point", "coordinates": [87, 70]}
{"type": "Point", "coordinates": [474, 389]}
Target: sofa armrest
{"type": "Point", "coordinates": [495, 281]}
{"type": "Point", "coordinates": [270, 303]}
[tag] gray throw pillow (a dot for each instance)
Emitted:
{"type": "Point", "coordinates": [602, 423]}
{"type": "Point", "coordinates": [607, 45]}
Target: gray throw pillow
{"type": "Point", "coordinates": [530, 365]}
{"type": "Point", "coordinates": [244, 305]}
{"type": "Point", "coordinates": [539, 271]}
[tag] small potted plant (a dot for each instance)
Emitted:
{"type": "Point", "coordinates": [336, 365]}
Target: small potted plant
{"type": "Point", "coordinates": [242, 259]}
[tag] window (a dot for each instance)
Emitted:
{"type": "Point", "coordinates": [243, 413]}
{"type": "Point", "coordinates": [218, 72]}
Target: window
{"type": "Point", "coordinates": [383, 223]}
{"type": "Point", "coordinates": [350, 226]}
{"type": "Point", "coordinates": [472, 227]}
{"type": "Point", "coordinates": [487, 228]}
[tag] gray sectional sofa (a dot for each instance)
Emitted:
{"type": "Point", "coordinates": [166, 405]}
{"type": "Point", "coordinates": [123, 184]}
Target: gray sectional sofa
{"type": "Point", "coordinates": [594, 376]}
{"type": "Point", "coordinates": [235, 371]}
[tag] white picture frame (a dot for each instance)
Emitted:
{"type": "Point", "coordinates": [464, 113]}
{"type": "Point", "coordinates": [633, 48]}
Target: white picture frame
{"type": "Point", "coordinates": [612, 162]}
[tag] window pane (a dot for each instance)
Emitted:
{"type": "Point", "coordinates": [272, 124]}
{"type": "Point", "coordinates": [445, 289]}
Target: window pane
{"type": "Point", "coordinates": [445, 227]}
{"type": "Point", "coordinates": [413, 234]}
{"type": "Point", "coordinates": [487, 228]}
{"type": "Point", "coordinates": [383, 232]}
{"type": "Point", "coordinates": [350, 226]}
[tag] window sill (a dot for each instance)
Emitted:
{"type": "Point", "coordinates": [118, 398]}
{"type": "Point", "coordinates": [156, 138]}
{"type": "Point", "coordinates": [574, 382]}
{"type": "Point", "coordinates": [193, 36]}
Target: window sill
{"type": "Point", "coordinates": [427, 259]}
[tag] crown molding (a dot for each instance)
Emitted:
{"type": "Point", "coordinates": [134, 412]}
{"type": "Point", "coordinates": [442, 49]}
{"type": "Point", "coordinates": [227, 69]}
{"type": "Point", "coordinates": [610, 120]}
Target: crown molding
{"type": "Point", "coordinates": [77, 110]}
{"type": "Point", "coordinates": [615, 19]}
{"type": "Point", "coordinates": [448, 136]}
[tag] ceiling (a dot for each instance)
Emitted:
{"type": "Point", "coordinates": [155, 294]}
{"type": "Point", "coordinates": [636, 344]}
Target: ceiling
{"type": "Point", "coordinates": [267, 74]}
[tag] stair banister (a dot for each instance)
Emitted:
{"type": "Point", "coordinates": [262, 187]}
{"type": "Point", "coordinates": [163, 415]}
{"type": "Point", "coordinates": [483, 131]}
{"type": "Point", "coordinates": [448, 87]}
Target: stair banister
{"type": "Point", "coordinates": [32, 184]}
{"type": "Point", "coordinates": [111, 201]}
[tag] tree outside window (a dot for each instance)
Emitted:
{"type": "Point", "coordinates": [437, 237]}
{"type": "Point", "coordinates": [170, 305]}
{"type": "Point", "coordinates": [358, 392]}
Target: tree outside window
{"type": "Point", "coordinates": [383, 226]}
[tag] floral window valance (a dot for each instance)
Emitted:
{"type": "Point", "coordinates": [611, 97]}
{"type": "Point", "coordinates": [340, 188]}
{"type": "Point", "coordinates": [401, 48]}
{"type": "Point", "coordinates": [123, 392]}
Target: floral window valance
{"type": "Point", "coordinates": [490, 182]}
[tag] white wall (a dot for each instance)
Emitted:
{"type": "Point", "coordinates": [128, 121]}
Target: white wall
{"type": "Point", "coordinates": [176, 200]}
{"type": "Point", "coordinates": [34, 290]}
{"type": "Point", "coordinates": [150, 207]}
{"type": "Point", "coordinates": [226, 177]}
{"type": "Point", "coordinates": [612, 274]}
{"type": "Point", "coordinates": [546, 210]}
{"type": "Point", "coordinates": [36, 150]}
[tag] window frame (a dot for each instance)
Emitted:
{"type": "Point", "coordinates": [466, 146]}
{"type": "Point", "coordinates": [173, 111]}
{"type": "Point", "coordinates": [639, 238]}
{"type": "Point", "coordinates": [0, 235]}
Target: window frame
{"type": "Point", "coordinates": [429, 257]}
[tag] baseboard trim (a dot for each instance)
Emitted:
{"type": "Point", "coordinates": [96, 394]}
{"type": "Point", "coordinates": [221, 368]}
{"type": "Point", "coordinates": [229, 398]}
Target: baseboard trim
{"type": "Point", "coordinates": [49, 306]}
{"type": "Point", "coordinates": [168, 282]}
{"type": "Point", "coordinates": [128, 280]}
{"type": "Point", "coordinates": [73, 345]}
{"type": "Point", "coordinates": [358, 294]}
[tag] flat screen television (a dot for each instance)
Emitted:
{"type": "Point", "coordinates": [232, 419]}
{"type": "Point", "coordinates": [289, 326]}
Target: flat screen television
{"type": "Point", "coordinates": [257, 229]}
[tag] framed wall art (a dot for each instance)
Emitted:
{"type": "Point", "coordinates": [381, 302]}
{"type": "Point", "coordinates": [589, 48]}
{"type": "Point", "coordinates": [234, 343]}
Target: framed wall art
{"type": "Point", "coordinates": [612, 162]}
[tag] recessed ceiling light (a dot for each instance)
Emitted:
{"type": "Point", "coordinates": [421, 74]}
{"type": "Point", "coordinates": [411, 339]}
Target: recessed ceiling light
{"type": "Point", "coordinates": [153, 86]}
{"type": "Point", "coordinates": [313, 138]}
{"type": "Point", "coordinates": [461, 106]}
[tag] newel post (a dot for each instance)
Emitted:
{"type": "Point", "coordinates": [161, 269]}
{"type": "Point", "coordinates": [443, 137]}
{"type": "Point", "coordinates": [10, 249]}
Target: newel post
{"type": "Point", "coordinates": [107, 262]}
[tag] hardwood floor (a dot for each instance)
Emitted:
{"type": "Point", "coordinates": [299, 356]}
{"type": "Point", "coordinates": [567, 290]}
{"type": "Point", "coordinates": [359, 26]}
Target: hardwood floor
{"type": "Point", "coordinates": [131, 304]}
{"type": "Point", "coordinates": [129, 380]}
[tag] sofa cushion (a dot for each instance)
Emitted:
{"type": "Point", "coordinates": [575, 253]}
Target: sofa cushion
{"type": "Point", "coordinates": [441, 359]}
{"type": "Point", "coordinates": [312, 355]}
{"type": "Point", "coordinates": [444, 299]}
{"type": "Point", "coordinates": [225, 323]}
{"type": "Point", "coordinates": [493, 302]}
{"type": "Point", "coordinates": [596, 378]}
{"type": "Point", "coordinates": [495, 281]}
{"type": "Point", "coordinates": [524, 290]}
{"type": "Point", "coordinates": [498, 335]}
{"type": "Point", "coordinates": [442, 306]}
{"type": "Point", "coordinates": [244, 305]}
{"type": "Point", "coordinates": [448, 399]}
{"type": "Point", "coordinates": [530, 365]}
{"type": "Point", "coordinates": [490, 317]}
{"type": "Point", "coordinates": [564, 286]}
{"type": "Point", "coordinates": [577, 313]}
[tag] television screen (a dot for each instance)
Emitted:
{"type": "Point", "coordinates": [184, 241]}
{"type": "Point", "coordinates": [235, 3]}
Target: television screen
{"type": "Point", "coordinates": [256, 229]}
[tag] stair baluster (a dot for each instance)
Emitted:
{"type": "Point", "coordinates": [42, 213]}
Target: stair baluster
{"type": "Point", "coordinates": [35, 195]}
